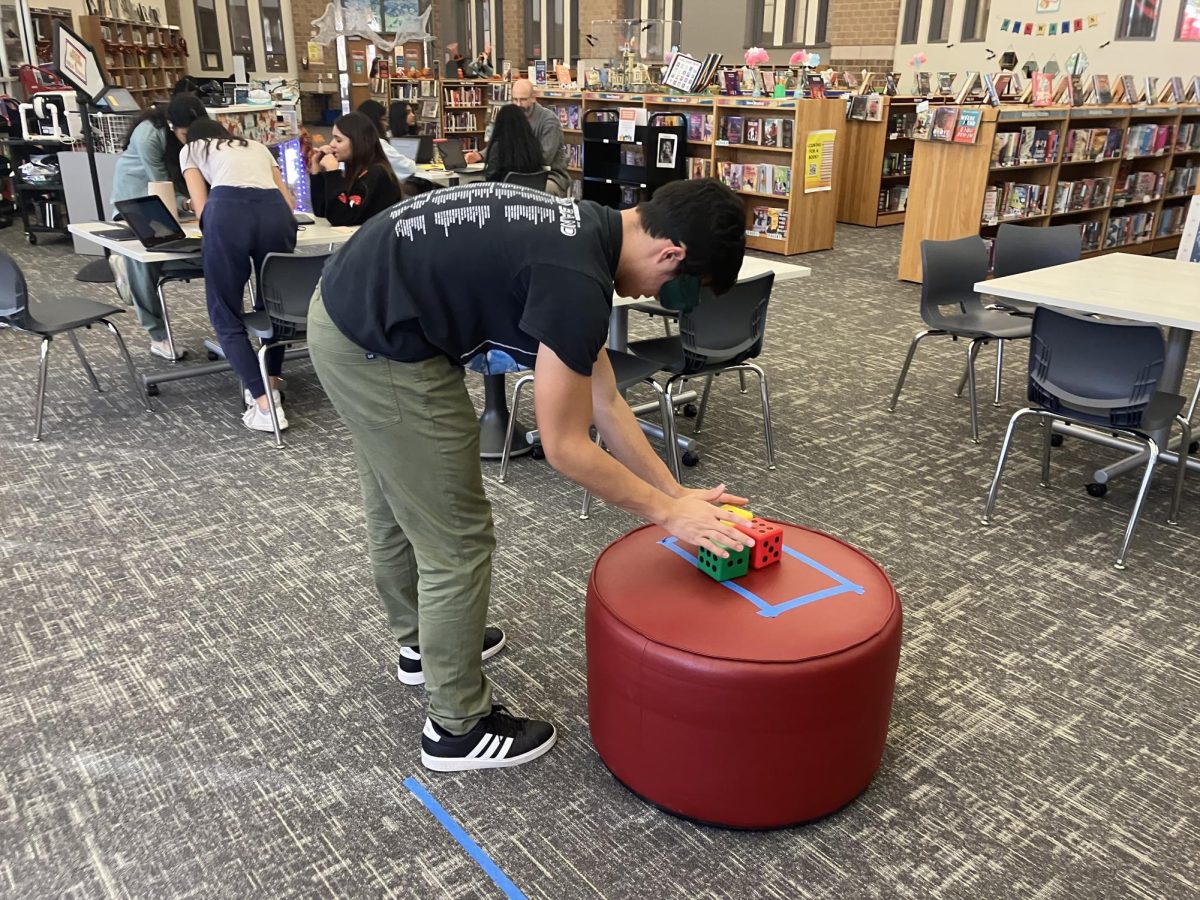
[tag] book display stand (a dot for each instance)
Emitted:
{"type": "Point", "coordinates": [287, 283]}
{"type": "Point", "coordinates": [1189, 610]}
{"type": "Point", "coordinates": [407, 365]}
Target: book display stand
{"type": "Point", "coordinates": [1123, 174]}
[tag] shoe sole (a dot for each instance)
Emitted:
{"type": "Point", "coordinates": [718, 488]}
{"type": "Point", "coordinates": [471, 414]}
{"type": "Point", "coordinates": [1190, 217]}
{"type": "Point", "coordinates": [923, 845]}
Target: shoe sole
{"type": "Point", "coordinates": [412, 679]}
{"type": "Point", "coordinates": [461, 764]}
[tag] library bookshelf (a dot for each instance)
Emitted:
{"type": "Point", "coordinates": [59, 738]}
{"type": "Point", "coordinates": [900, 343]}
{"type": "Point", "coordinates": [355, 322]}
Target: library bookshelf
{"type": "Point", "coordinates": [880, 154]}
{"type": "Point", "coordinates": [145, 59]}
{"type": "Point", "coordinates": [568, 106]}
{"type": "Point", "coordinates": [1135, 186]}
{"type": "Point", "coordinates": [810, 218]}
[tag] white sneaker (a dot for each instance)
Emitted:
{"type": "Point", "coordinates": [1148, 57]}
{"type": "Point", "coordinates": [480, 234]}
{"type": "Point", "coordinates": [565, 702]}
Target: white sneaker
{"type": "Point", "coordinates": [116, 262]}
{"type": "Point", "coordinates": [260, 419]}
{"type": "Point", "coordinates": [165, 350]}
{"type": "Point", "coordinates": [274, 393]}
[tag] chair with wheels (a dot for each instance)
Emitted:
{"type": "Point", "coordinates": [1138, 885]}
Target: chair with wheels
{"type": "Point", "coordinates": [286, 282]}
{"type": "Point", "coordinates": [951, 269]}
{"type": "Point", "coordinates": [722, 334]}
{"type": "Point", "coordinates": [48, 319]}
{"type": "Point", "coordinates": [628, 371]}
{"type": "Point", "coordinates": [1023, 248]}
{"type": "Point", "coordinates": [536, 180]}
{"type": "Point", "coordinates": [1102, 376]}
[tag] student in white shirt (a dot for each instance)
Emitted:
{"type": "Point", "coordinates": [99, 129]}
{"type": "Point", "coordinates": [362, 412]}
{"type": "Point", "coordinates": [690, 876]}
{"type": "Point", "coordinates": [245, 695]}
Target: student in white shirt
{"type": "Point", "coordinates": [245, 213]}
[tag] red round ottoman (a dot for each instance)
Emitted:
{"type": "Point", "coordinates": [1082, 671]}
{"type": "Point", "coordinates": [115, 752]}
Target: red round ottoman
{"type": "Point", "coordinates": [753, 703]}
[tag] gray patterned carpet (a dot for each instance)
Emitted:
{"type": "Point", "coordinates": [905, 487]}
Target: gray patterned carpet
{"type": "Point", "coordinates": [198, 698]}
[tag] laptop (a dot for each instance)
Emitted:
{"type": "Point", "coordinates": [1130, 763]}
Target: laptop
{"type": "Point", "coordinates": [452, 155]}
{"type": "Point", "coordinates": [295, 175]}
{"type": "Point", "coordinates": [417, 147]}
{"type": "Point", "coordinates": [154, 225]}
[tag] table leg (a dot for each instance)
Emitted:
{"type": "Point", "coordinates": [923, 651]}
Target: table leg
{"type": "Point", "coordinates": [618, 329]}
{"type": "Point", "coordinates": [493, 422]}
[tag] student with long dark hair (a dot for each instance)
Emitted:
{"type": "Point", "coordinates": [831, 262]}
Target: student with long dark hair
{"type": "Point", "coordinates": [513, 147]}
{"type": "Point", "coordinates": [402, 167]}
{"type": "Point", "coordinates": [245, 213]}
{"type": "Point", "coordinates": [402, 118]}
{"type": "Point", "coordinates": [151, 153]}
{"type": "Point", "coordinates": [367, 184]}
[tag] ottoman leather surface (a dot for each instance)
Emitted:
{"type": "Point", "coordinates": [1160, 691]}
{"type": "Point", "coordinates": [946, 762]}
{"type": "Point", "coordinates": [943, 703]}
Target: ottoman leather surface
{"type": "Point", "coordinates": [755, 703]}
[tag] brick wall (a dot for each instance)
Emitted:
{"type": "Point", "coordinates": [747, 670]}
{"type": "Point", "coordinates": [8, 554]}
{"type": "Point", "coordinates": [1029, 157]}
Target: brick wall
{"type": "Point", "coordinates": [874, 66]}
{"type": "Point", "coordinates": [863, 22]}
{"type": "Point", "coordinates": [513, 31]}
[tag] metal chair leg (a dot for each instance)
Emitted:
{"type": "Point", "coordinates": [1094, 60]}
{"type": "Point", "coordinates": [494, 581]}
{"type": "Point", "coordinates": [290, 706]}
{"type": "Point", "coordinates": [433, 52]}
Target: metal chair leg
{"type": "Point", "coordinates": [1185, 441]}
{"type": "Point", "coordinates": [506, 453]}
{"type": "Point", "coordinates": [972, 352]}
{"type": "Point", "coordinates": [1047, 436]}
{"type": "Point", "coordinates": [83, 361]}
{"type": "Point", "coordinates": [742, 382]}
{"type": "Point", "coordinates": [133, 377]}
{"type": "Point", "coordinates": [43, 368]}
{"type": "Point", "coordinates": [1136, 515]}
{"type": "Point", "coordinates": [166, 317]}
{"type": "Point", "coordinates": [666, 411]}
{"type": "Point", "coordinates": [586, 509]}
{"type": "Point", "coordinates": [986, 519]}
{"type": "Point", "coordinates": [999, 370]}
{"type": "Point", "coordinates": [912, 349]}
{"type": "Point", "coordinates": [768, 435]}
{"type": "Point", "coordinates": [1195, 399]}
{"type": "Point", "coordinates": [708, 382]}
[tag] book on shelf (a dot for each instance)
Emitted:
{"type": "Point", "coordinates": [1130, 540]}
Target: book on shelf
{"type": "Point", "coordinates": [966, 130]}
{"type": "Point", "coordinates": [864, 86]}
{"type": "Point", "coordinates": [733, 129]}
{"type": "Point", "coordinates": [750, 178]}
{"type": "Point", "coordinates": [782, 180]}
{"type": "Point", "coordinates": [945, 84]}
{"type": "Point", "coordinates": [1149, 89]}
{"type": "Point", "coordinates": [970, 86]}
{"type": "Point", "coordinates": [1043, 89]}
{"type": "Point", "coordinates": [814, 86]}
{"type": "Point", "coordinates": [772, 132]}
{"type": "Point", "coordinates": [990, 95]}
{"type": "Point", "coordinates": [923, 122]}
{"type": "Point", "coordinates": [1003, 83]}
{"type": "Point", "coordinates": [874, 108]}
{"type": "Point", "coordinates": [1101, 90]}
{"type": "Point", "coordinates": [786, 134]}
{"type": "Point", "coordinates": [1193, 93]}
{"type": "Point", "coordinates": [893, 199]}
{"type": "Point", "coordinates": [944, 120]}
{"type": "Point", "coordinates": [921, 85]}
{"type": "Point", "coordinates": [1125, 90]}
{"type": "Point", "coordinates": [752, 133]}
{"type": "Point", "coordinates": [768, 222]}
{"type": "Point", "coordinates": [851, 80]}
{"type": "Point", "coordinates": [856, 108]}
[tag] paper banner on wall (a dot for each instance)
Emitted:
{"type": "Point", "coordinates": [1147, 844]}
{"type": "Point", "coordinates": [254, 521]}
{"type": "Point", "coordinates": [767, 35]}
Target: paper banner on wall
{"type": "Point", "coordinates": [1066, 27]}
{"type": "Point", "coordinates": [1093, 21]}
{"type": "Point", "coordinates": [1041, 31]}
{"type": "Point", "coordinates": [1004, 25]}
{"type": "Point", "coordinates": [1053, 29]}
{"type": "Point", "coordinates": [1028, 28]}
{"type": "Point", "coordinates": [1078, 25]}
{"type": "Point", "coordinates": [1017, 26]}
{"type": "Point", "coordinates": [818, 161]}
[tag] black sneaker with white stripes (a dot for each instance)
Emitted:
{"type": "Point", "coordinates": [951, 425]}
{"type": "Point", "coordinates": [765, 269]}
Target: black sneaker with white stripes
{"type": "Point", "coordinates": [408, 668]}
{"type": "Point", "coordinates": [497, 741]}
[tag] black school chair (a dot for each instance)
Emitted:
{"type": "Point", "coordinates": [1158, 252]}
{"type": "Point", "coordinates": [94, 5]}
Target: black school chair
{"type": "Point", "coordinates": [50, 318]}
{"type": "Point", "coordinates": [1024, 248]}
{"type": "Point", "coordinates": [535, 180]}
{"type": "Point", "coordinates": [1102, 376]}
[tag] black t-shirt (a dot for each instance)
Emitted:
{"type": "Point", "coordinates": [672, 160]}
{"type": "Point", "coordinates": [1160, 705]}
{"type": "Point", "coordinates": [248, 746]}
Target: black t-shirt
{"type": "Point", "coordinates": [478, 268]}
{"type": "Point", "coordinates": [372, 192]}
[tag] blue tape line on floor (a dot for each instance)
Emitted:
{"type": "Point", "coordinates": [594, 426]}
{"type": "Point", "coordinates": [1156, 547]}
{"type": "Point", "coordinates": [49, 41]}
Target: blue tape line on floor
{"type": "Point", "coordinates": [456, 831]}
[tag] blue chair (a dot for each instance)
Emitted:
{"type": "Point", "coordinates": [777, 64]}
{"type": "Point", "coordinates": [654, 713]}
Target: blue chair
{"type": "Point", "coordinates": [1102, 376]}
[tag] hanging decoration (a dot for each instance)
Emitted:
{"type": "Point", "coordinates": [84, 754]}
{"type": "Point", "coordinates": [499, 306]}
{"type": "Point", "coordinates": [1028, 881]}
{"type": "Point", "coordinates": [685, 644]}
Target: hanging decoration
{"type": "Point", "coordinates": [1051, 29]}
{"type": "Point", "coordinates": [358, 21]}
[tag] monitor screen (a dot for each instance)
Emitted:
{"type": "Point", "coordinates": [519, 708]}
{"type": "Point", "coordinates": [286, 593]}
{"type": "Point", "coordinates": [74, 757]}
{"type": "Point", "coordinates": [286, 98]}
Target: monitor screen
{"type": "Point", "coordinates": [294, 171]}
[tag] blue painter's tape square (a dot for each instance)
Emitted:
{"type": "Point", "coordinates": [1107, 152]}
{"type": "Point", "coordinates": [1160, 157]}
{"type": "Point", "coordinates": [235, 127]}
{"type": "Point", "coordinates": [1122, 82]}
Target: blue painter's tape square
{"type": "Point", "coordinates": [841, 585]}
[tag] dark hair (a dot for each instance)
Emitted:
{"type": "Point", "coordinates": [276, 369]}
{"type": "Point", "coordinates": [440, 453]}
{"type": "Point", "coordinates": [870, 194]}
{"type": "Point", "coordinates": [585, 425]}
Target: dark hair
{"type": "Point", "coordinates": [374, 111]}
{"type": "Point", "coordinates": [514, 147]}
{"type": "Point", "coordinates": [398, 119]}
{"type": "Point", "coordinates": [212, 134]}
{"type": "Point", "coordinates": [708, 219]}
{"type": "Point", "coordinates": [365, 149]}
{"type": "Point", "coordinates": [156, 115]}
{"type": "Point", "coordinates": [184, 109]}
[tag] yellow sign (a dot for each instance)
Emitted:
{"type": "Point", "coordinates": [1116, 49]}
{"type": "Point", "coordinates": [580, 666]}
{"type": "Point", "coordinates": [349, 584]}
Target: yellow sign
{"type": "Point", "coordinates": [316, 53]}
{"type": "Point", "coordinates": [818, 161]}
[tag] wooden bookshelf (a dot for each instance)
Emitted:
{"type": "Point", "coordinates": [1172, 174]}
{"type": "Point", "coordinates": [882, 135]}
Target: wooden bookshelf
{"type": "Point", "coordinates": [568, 106]}
{"type": "Point", "coordinates": [43, 30]}
{"type": "Point", "coordinates": [464, 107]}
{"type": "Point", "coordinates": [949, 181]}
{"type": "Point", "coordinates": [424, 95]}
{"type": "Point", "coordinates": [867, 148]}
{"type": "Point", "coordinates": [145, 59]}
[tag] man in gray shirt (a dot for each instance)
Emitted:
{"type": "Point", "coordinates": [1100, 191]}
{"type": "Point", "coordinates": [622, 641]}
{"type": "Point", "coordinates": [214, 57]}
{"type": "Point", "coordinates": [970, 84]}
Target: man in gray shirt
{"type": "Point", "coordinates": [548, 130]}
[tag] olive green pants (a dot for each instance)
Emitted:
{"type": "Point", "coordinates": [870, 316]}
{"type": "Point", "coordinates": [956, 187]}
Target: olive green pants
{"type": "Point", "coordinates": [429, 523]}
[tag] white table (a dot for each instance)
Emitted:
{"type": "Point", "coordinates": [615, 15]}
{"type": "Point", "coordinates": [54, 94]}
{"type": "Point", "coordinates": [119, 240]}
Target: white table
{"type": "Point", "coordinates": [1149, 289]}
{"type": "Point", "coordinates": [318, 235]}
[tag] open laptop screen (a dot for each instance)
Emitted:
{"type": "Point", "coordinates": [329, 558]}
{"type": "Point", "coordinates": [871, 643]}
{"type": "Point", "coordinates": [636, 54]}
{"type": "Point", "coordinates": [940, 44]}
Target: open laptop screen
{"type": "Point", "coordinates": [150, 219]}
{"type": "Point", "coordinates": [407, 146]}
{"type": "Point", "coordinates": [295, 173]}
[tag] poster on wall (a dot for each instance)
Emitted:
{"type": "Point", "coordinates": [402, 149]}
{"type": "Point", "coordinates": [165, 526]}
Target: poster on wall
{"type": "Point", "coordinates": [395, 11]}
{"type": "Point", "coordinates": [818, 161]}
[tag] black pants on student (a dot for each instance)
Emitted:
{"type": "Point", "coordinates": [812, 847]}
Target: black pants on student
{"type": "Point", "coordinates": [241, 226]}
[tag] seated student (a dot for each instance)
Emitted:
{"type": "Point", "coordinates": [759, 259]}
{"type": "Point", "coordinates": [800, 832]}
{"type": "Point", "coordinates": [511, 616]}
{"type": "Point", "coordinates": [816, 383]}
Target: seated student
{"type": "Point", "coordinates": [402, 119]}
{"type": "Point", "coordinates": [514, 147]}
{"type": "Point", "coordinates": [366, 187]}
{"type": "Point", "coordinates": [245, 213]}
{"type": "Point", "coordinates": [402, 166]}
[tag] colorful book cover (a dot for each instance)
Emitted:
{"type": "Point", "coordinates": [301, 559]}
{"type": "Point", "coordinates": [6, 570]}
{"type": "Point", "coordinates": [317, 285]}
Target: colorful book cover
{"type": "Point", "coordinates": [966, 131]}
{"type": "Point", "coordinates": [771, 129]}
{"type": "Point", "coordinates": [750, 177]}
{"type": "Point", "coordinates": [735, 176]}
{"type": "Point", "coordinates": [1102, 90]}
{"type": "Point", "coordinates": [786, 134]}
{"type": "Point", "coordinates": [573, 117]}
{"type": "Point", "coordinates": [1098, 143]}
{"type": "Point", "coordinates": [1112, 144]}
{"type": "Point", "coordinates": [814, 86]}
{"type": "Point", "coordinates": [765, 174]}
{"type": "Point", "coordinates": [733, 132]}
{"type": "Point", "coordinates": [944, 120]}
{"type": "Point", "coordinates": [753, 131]}
{"type": "Point", "coordinates": [782, 181]}
{"type": "Point", "coordinates": [1043, 89]}
{"type": "Point", "coordinates": [707, 133]}
{"type": "Point", "coordinates": [695, 126]}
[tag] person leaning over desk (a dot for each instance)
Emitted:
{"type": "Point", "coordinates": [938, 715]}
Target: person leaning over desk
{"type": "Point", "coordinates": [151, 154]}
{"type": "Point", "coordinates": [492, 268]}
{"type": "Point", "coordinates": [245, 212]}
{"type": "Point", "coordinates": [366, 186]}
{"type": "Point", "coordinates": [549, 133]}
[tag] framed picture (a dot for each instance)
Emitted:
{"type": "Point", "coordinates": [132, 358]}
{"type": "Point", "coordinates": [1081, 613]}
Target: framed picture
{"type": "Point", "coordinates": [668, 146]}
{"type": "Point", "coordinates": [1048, 6]}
